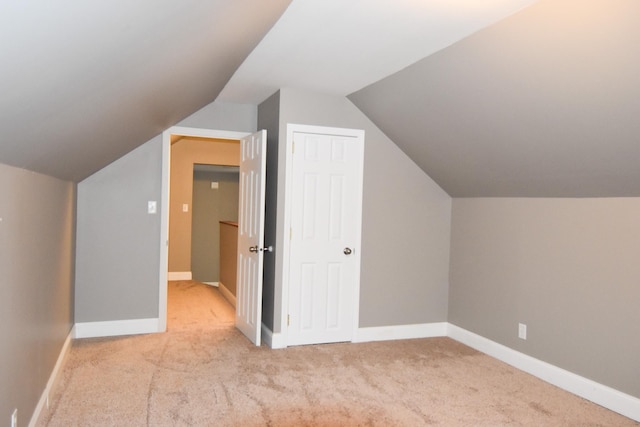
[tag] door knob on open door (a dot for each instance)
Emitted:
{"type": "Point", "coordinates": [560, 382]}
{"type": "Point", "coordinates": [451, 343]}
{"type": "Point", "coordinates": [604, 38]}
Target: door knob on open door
{"type": "Point", "coordinates": [347, 251]}
{"type": "Point", "coordinates": [253, 248]}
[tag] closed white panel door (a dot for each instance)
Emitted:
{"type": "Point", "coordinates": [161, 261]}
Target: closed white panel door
{"type": "Point", "coordinates": [324, 246]}
{"type": "Point", "coordinates": [251, 235]}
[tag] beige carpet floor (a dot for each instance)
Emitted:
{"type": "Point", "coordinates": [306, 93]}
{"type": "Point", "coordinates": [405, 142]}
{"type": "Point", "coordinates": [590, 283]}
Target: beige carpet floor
{"type": "Point", "coordinates": [203, 372]}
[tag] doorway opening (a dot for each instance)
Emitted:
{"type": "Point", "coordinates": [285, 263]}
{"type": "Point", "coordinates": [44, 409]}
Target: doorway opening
{"type": "Point", "coordinates": [178, 181]}
{"type": "Point", "coordinates": [214, 227]}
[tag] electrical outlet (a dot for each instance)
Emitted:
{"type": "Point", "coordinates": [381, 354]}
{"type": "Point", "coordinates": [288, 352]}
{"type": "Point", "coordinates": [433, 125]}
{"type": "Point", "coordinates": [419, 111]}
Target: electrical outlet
{"type": "Point", "coordinates": [14, 418]}
{"type": "Point", "coordinates": [522, 331]}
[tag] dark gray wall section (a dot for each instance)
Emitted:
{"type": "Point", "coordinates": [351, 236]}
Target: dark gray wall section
{"type": "Point", "coordinates": [36, 293]}
{"type": "Point", "coordinates": [118, 242]}
{"type": "Point", "coordinates": [268, 119]}
{"type": "Point", "coordinates": [210, 206]}
{"type": "Point", "coordinates": [568, 268]}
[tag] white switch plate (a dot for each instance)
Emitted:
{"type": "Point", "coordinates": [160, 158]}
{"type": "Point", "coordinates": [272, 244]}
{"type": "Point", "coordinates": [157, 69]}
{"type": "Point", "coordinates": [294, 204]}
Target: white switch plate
{"type": "Point", "coordinates": [522, 331]}
{"type": "Point", "coordinates": [152, 207]}
{"type": "Point", "coordinates": [185, 207]}
{"type": "Point", "coordinates": [214, 185]}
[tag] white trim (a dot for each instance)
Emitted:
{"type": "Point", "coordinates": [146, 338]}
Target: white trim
{"type": "Point", "coordinates": [179, 275]}
{"type": "Point", "coordinates": [226, 293]}
{"type": "Point", "coordinates": [117, 328]}
{"type": "Point", "coordinates": [401, 332]}
{"type": "Point", "coordinates": [274, 341]}
{"type": "Point", "coordinates": [288, 166]}
{"type": "Point", "coordinates": [43, 403]}
{"type": "Point", "coordinates": [212, 284]}
{"type": "Point", "coordinates": [164, 205]}
{"type": "Point", "coordinates": [205, 133]}
{"type": "Point", "coordinates": [608, 397]}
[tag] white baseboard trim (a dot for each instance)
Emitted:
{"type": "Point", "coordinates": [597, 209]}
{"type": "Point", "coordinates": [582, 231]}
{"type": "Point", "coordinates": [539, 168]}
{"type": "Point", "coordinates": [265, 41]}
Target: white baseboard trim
{"type": "Point", "coordinates": [272, 340]}
{"type": "Point", "coordinates": [214, 284]}
{"type": "Point", "coordinates": [116, 328]}
{"type": "Point", "coordinates": [600, 394]}
{"type": "Point", "coordinates": [401, 332]}
{"type": "Point", "coordinates": [43, 403]}
{"type": "Point", "coordinates": [226, 293]}
{"type": "Point", "coordinates": [608, 397]}
{"type": "Point", "coordinates": [179, 275]}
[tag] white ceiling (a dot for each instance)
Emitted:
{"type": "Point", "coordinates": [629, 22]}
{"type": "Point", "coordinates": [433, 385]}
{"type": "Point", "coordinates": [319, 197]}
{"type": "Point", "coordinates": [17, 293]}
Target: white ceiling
{"type": "Point", "coordinates": [338, 47]}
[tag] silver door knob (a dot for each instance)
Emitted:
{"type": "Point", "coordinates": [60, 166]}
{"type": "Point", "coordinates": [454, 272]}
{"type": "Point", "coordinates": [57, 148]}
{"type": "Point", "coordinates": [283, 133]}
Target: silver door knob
{"type": "Point", "coordinates": [347, 251]}
{"type": "Point", "coordinates": [253, 248]}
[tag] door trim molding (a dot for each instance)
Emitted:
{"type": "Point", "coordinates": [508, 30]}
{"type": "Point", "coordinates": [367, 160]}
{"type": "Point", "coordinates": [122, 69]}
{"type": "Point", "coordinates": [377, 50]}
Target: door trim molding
{"type": "Point", "coordinates": [288, 189]}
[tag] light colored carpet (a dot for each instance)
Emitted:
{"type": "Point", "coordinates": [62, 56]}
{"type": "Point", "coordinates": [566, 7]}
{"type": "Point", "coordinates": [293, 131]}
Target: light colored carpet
{"type": "Point", "coordinates": [203, 372]}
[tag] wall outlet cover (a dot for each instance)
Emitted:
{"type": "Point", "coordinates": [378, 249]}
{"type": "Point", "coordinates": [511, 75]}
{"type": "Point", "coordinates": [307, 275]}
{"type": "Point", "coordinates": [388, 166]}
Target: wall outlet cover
{"type": "Point", "coordinates": [522, 331]}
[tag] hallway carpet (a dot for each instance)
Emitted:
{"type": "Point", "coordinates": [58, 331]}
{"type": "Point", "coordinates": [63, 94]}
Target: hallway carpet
{"type": "Point", "coordinates": [203, 372]}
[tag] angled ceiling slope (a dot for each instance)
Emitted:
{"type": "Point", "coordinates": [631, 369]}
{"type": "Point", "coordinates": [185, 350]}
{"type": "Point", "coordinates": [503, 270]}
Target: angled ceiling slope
{"type": "Point", "coordinates": [337, 47]}
{"type": "Point", "coordinates": [543, 104]}
{"type": "Point", "coordinates": [83, 83]}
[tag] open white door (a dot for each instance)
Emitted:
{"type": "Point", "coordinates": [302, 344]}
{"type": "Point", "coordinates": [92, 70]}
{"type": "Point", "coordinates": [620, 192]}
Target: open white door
{"type": "Point", "coordinates": [251, 235]}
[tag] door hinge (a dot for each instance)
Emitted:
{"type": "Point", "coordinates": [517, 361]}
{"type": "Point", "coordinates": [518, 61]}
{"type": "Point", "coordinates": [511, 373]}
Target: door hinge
{"type": "Point", "coordinates": [288, 320]}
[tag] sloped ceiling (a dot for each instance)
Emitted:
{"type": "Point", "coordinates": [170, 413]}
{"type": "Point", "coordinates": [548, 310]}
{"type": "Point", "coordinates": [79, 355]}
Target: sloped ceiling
{"type": "Point", "coordinates": [543, 103]}
{"type": "Point", "coordinates": [84, 82]}
{"type": "Point", "coordinates": [337, 47]}
{"type": "Point", "coordinates": [490, 98]}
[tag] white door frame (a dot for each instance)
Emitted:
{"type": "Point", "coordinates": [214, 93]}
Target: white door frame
{"type": "Point", "coordinates": [164, 204]}
{"type": "Point", "coordinates": [288, 197]}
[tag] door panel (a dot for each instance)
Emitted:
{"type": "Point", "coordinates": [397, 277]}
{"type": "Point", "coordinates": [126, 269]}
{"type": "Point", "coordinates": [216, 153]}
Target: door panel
{"type": "Point", "coordinates": [251, 235]}
{"type": "Point", "coordinates": [325, 219]}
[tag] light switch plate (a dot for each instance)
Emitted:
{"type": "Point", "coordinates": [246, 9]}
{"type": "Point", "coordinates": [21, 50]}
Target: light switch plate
{"type": "Point", "coordinates": [152, 207]}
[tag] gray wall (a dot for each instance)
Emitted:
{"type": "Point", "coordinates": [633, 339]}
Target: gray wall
{"type": "Point", "coordinates": [269, 119]}
{"type": "Point", "coordinates": [406, 220]}
{"type": "Point", "coordinates": [210, 206]}
{"type": "Point", "coordinates": [568, 268]}
{"type": "Point", "coordinates": [117, 267]}
{"type": "Point", "coordinates": [118, 242]}
{"type": "Point", "coordinates": [36, 292]}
